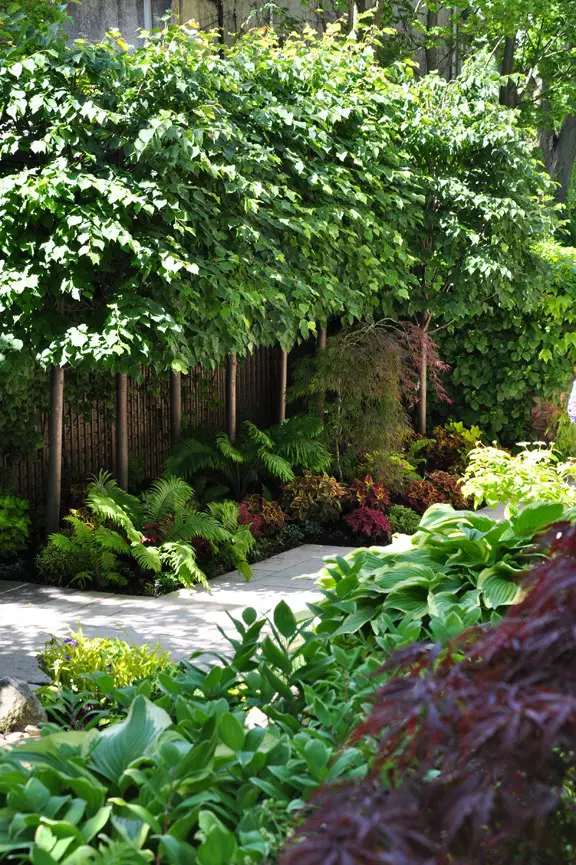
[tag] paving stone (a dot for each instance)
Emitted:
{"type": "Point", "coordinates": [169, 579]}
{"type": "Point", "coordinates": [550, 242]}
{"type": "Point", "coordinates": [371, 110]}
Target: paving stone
{"type": "Point", "coordinates": [182, 622]}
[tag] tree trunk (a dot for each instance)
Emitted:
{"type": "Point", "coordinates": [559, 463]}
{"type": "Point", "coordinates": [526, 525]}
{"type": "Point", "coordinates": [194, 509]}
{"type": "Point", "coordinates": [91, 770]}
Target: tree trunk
{"type": "Point", "coordinates": [559, 151]}
{"type": "Point", "coordinates": [55, 427]}
{"type": "Point", "coordinates": [423, 394]}
{"type": "Point", "coordinates": [231, 392]}
{"type": "Point", "coordinates": [220, 16]}
{"type": "Point", "coordinates": [175, 407]}
{"type": "Point", "coordinates": [322, 337]}
{"type": "Point", "coordinates": [283, 384]}
{"type": "Point", "coordinates": [122, 429]}
{"type": "Point", "coordinates": [508, 94]}
{"type": "Point", "coordinates": [432, 60]}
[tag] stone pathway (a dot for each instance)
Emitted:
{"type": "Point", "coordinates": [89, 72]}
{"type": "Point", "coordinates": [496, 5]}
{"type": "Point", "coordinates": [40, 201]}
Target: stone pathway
{"type": "Point", "coordinates": [182, 622]}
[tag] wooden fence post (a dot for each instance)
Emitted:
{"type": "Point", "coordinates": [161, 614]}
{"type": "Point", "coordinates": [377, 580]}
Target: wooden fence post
{"type": "Point", "coordinates": [283, 386]}
{"type": "Point", "coordinates": [55, 427]}
{"type": "Point", "coordinates": [175, 407]}
{"type": "Point", "coordinates": [231, 397]}
{"type": "Point", "coordinates": [122, 429]}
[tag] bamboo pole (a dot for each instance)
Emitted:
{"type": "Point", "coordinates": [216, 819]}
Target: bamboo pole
{"type": "Point", "coordinates": [55, 429]}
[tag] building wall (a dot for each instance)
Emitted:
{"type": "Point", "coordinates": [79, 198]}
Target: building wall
{"type": "Point", "coordinates": [91, 19]}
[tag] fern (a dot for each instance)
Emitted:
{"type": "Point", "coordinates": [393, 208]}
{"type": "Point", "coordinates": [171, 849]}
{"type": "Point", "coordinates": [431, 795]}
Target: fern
{"type": "Point", "coordinates": [258, 436]}
{"type": "Point", "coordinates": [165, 497]}
{"type": "Point", "coordinates": [191, 524]}
{"type": "Point", "coordinates": [227, 449]}
{"type": "Point", "coordinates": [192, 456]}
{"type": "Point", "coordinates": [226, 513]}
{"type": "Point", "coordinates": [182, 560]}
{"type": "Point", "coordinates": [277, 466]}
{"type": "Point", "coordinates": [149, 558]}
{"type": "Point", "coordinates": [104, 486]}
{"type": "Point", "coordinates": [111, 540]}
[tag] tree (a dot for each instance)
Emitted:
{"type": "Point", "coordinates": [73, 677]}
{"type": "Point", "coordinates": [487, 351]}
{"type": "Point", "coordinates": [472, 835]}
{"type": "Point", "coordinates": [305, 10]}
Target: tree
{"type": "Point", "coordinates": [174, 205]}
{"type": "Point", "coordinates": [485, 205]}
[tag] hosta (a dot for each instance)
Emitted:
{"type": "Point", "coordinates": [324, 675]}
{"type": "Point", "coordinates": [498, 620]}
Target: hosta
{"type": "Point", "coordinates": [459, 569]}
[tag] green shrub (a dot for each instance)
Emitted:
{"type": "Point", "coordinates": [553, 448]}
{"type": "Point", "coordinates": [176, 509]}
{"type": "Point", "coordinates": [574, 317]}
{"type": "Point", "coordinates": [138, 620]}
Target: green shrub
{"type": "Point", "coordinates": [565, 437]}
{"type": "Point", "coordinates": [153, 534]}
{"type": "Point", "coordinates": [14, 524]}
{"type": "Point", "coordinates": [58, 565]}
{"type": "Point", "coordinates": [535, 474]}
{"type": "Point", "coordinates": [212, 787]}
{"type": "Point", "coordinates": [224, 467]}
{"type": "Point", "coordinates": [216, 768]}
{"type": "Point", "coordinates": [72, 662]}
{"type": "Point", "coordinates": [459, 569]}
{"type": "Point", "coordinates": [403, 521]}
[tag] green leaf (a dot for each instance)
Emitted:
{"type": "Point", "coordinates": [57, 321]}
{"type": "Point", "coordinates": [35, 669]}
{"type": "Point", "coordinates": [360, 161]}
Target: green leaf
{"type": "Point", "coordinates": [535, 517]}
{"type": "Point", "coordinates": [219, 845]}
{"type": "Point", "coordinates": [355, 621]}
{"type": "Point", "coordinates": [176, 852]}
{"type": "Point", "coordinates": [499, 591]}
{"type": "Point", "coordinates": [232, 732]}
{"type": "Point", "coordinates": [285, 620]}
{"type": "Point", "coordinates": [135, 737]}
{"type": "Point", "coordinates": [276, 656]}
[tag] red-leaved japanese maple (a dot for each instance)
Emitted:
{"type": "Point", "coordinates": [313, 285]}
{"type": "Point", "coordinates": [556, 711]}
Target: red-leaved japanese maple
{"type": "Point", "coordinates": [475, 746]}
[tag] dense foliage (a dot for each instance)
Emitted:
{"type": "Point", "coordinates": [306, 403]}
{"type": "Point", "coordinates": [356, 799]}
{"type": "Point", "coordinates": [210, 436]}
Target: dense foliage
{"type": "Point", "coordinates": [502, 361]}
{"type": "Point", "coordinates": [534, 474]}
{"type": "Point", "coordinates": [71, 662]}
{"type": "Point", "coordinates": [118, 538]}
{"type": "Point", "coordinates": [460, 568]}
{"type": "Point", "coordinates": [212, 764]}
{"type": "Point", "coordinates": [14, 524]}
{"type": "Point", "coordinates": [475, 746]}
{"type": "Point", "coordinates": [254, 459]}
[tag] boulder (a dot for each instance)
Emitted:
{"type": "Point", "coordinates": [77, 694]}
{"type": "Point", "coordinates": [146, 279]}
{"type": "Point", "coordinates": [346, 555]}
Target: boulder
{"type": "Point", "coordinates": [19, 706]}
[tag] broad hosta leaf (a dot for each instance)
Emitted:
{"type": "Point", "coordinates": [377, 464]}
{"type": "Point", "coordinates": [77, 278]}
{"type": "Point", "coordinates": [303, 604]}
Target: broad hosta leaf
{"type": "Point", "coordinates": [135, 737]}
{"type": "Point", "coordinates": [499, 591]}
{"type": "Point", "coordinates": [537, 516]}
{"type": "Point", "coordinates": [413, 600]}
{"type": "Point", "coordinates": [355, 621]}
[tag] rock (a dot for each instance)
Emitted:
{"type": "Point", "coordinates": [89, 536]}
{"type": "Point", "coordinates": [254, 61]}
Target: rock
{"type": "Point", "coordinates": [32, 730]}
{"type": "Point", "coordinates": [19, 706]}
{"type": "Point", "coordinates": [15, 737]}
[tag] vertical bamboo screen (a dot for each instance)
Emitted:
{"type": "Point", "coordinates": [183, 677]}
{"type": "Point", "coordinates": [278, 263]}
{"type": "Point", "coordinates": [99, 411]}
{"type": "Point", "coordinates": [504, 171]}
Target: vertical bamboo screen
{"type": "Point", "coordinates": [89, 439]}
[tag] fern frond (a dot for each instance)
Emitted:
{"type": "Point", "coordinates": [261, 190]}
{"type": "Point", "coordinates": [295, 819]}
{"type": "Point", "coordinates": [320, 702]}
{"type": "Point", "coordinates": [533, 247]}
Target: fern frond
{"type": "Point", "coordinates": [103, 485]}
{"type": "Point", "coordinates": [62, 542]}
{"type": "Point", "coordinates": [277, 466]}
{"type": "Point", "coordinates": [182, 561]}
{"type": "Point", "coordinates": [226, 513]}
{"type": "Point", "coordinates": [192, 456]}
{"type": "Point", "coordinates": [257, 435]}
{"type": "Point", "coordinates": [148, 558]}
{"type": "Point", "coordinates": [305, 453]}
{"type": "Point", "coordinates": [300, 426]}
{"type": "Point", "coordinates": [227, 449]}
{"type": "Point", "coordinates": [190, 524]}
{"type": "Point", "coordinates": [111, 540]}
{"type": "Point", "coordinates": [107, 562]}
{"type": "Point", "coordinates": [106, 509]}
{"type": "Point", "coordinates": [165, 497]}
{"type": "Point", "coordinates": [81, 532]}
